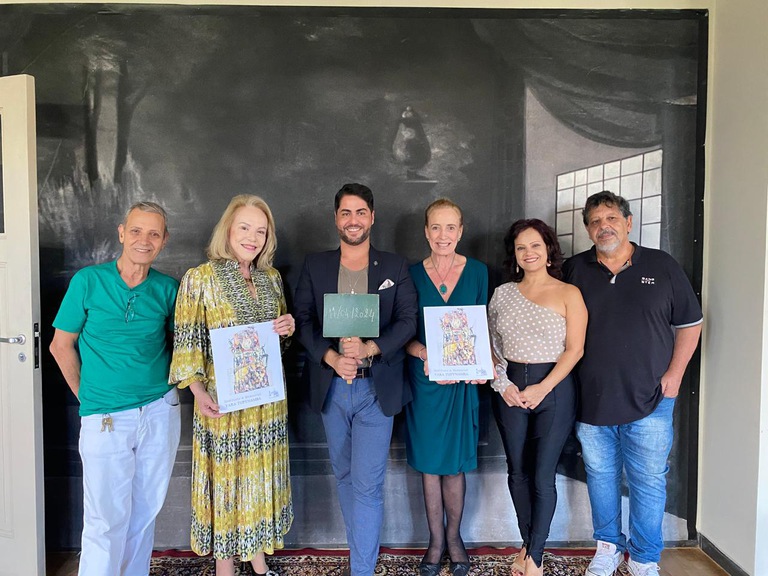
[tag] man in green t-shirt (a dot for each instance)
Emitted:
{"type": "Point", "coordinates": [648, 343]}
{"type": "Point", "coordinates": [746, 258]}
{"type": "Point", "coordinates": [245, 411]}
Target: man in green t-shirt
{"type": "Point", "coordinates": [111, 344]}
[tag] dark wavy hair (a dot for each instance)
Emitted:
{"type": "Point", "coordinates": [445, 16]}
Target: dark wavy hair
{"type": "Point", "coordinates": [605, 198]}
{"type": "Point", "coordinates": [554, 254]}
{"type": "Point", "coordinates": [353, 189]}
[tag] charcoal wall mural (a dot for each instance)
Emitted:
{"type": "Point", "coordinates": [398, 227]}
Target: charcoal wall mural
{"type": "Point", "coordinates": [190, 106]}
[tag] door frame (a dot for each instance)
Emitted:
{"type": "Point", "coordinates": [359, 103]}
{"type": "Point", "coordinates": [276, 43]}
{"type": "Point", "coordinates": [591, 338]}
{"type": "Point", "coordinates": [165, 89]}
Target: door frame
{"type": "Point", "coordinates": [22, 510]}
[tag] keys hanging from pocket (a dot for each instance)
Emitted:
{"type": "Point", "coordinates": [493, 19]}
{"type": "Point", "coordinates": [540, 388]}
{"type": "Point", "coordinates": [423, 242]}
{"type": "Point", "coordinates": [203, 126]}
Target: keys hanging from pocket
{"type": "Point", "coordinates": [106, 423]}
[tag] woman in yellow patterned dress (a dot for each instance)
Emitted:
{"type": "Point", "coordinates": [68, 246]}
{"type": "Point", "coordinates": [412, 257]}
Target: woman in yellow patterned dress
{"type": "Point", "coordinates": [241, 491]}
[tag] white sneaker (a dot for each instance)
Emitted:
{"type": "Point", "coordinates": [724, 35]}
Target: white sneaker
{"type": "Point", "coordinates": [606, 560]}
{"type": "Point", "coordinates": [639, 569]}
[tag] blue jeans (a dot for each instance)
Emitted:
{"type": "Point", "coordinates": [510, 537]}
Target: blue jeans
{"type": "Point", "coordinates": [641, 448]}
{"type": "Point", "coordinates": [358, 435]}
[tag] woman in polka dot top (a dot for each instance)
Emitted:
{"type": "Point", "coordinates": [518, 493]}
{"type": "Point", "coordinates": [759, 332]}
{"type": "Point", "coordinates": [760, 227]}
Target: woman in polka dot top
{"type": "Point", "coordinates": [537, 325]}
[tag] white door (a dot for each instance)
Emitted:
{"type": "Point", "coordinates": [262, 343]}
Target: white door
{"type": "Point", "coordinates": [22, 531]}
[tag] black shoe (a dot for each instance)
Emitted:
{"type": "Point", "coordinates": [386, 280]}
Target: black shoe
{"type": "Point", "coordinates": [460, 568]}
{"type": "Point", "coordinates": [429, 569]}
{"type": "Point", "coordinates": [247, 568]}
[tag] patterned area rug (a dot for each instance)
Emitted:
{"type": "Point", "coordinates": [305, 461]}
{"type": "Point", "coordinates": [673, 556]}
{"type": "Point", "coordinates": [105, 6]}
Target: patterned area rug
{"type": "Point", "coordinates": [323, 564]}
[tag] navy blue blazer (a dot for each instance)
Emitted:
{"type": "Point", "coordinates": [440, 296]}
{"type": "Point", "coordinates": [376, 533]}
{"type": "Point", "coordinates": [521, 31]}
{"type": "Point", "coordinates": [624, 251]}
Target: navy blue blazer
{"type": "Point", "coordinates": [398, 308]}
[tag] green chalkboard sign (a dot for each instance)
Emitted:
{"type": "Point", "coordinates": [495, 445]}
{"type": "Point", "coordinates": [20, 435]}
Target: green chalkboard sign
{"type": "Point", "coordinates": [351, 315]}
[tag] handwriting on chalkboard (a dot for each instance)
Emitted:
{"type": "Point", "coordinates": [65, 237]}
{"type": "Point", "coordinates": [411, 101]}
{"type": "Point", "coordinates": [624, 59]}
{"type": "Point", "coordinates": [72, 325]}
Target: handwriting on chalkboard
{"type": "Point", "coordinates": [351, 315]}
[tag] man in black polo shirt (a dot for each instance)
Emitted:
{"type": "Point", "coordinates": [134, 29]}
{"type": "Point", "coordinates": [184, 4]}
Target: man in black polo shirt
{"type": "Point", "coordinates": [644, 325]}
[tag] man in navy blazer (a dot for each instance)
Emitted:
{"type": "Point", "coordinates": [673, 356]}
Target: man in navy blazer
{"type": "Point", "coordinates": [357, 385]}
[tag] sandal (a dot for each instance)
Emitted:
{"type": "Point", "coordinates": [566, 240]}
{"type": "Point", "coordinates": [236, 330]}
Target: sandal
{"type": "Point", "coordinates": [518, 566]}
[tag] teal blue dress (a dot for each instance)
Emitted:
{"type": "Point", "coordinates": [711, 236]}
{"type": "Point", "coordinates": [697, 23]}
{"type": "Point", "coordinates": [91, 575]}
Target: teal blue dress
{"type": "Point", "coordinates": [442, 420]}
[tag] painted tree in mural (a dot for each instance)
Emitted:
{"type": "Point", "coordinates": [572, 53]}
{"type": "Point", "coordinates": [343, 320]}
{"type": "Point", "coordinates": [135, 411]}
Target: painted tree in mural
{"type": "Point", "coordinates": [121, 62]}
{"type": "Point", "coordinates": [123, 65]}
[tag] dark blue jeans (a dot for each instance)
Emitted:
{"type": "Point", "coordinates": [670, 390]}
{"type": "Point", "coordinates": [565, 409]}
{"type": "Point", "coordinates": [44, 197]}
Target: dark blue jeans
{"type": "Point", "coordinates": [533, 441]}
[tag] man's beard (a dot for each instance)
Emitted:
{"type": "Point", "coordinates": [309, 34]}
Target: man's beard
{"type": "Point", "coordinates": [347, 240]}
{"type": "Point", "coordinates": [608, 248]}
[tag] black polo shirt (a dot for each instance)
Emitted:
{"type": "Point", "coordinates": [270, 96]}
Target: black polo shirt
{"type": "Point", "coordinates": [630, 334]}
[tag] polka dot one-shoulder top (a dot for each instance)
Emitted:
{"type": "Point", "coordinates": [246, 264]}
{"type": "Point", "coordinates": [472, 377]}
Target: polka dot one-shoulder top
{"type": "Point", "coordinates": [523, 331]}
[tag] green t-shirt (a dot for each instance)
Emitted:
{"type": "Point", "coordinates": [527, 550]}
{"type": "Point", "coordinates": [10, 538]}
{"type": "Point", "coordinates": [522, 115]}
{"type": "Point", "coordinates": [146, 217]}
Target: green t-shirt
{"type": "Point", "coordinates": [122, 341]}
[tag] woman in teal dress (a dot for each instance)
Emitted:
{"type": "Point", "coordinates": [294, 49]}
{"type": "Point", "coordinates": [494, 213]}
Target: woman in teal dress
{"type": "Point", "coordinates": [442, 419]}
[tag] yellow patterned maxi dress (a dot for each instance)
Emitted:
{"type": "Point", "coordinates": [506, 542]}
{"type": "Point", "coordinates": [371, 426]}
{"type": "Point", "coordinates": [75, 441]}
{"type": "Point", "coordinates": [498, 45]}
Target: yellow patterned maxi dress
{"type": "Point", "coordinates": [241, 490]}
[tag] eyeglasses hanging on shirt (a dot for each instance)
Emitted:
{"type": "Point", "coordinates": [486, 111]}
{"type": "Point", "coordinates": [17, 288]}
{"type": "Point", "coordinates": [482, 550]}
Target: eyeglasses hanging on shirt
{"type": "Point", "coordinates": [130, 311]}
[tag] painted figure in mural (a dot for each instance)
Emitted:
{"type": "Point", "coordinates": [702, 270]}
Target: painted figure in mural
{"type": "Point", "coordinates": [443, 418]}
{"type": "Point", "coordinates": [111, 346]}
{"type": "Point", "coordinates": [241, 489]}
{"type": "Point", "coordinates": [644, 325]}
{"type": "Point", "coordinates": [357, 385]}
{"type": "Point", "coordinates": [411, 145]}
{"type": "Point", "coordinates": [537, 325]}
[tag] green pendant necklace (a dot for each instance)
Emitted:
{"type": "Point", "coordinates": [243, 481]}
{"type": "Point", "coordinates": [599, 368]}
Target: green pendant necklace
{"type": "Point", "coordinates": [442, 288]}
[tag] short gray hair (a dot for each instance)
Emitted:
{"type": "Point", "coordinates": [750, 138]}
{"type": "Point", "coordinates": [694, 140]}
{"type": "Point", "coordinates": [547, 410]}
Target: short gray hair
{"type": "Point", "coordinates": [146, 206]}
{"type": "Point", "coordinates": [606, 198]}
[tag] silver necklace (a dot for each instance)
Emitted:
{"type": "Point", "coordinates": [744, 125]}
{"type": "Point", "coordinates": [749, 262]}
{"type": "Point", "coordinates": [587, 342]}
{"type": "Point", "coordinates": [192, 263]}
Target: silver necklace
{"type": "Point", "coordinates": [348, 275]}
{"type": "Point", "coordinates": [442, 288]}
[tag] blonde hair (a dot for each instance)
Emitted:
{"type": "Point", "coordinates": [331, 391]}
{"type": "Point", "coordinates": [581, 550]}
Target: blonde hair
{"type": "Point", "coordinates": [218, 247]}
{"type": "Point", "coordinates": [442, 203]}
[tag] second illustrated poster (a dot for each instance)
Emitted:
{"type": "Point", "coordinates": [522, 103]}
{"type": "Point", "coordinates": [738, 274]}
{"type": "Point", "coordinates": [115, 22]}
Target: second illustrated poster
{"type": "Point", "coordinates": [458, 346]}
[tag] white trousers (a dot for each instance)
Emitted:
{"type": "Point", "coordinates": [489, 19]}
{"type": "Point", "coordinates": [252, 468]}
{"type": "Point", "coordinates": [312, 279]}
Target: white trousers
{"type": "Point", "coordinates": [125, 479]}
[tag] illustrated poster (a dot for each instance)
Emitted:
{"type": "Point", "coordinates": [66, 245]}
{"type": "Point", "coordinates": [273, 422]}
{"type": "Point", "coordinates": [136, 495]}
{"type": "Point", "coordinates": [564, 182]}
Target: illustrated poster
{"type": "Point", "coordinates": [458, 346]}
{"type": "Point", "coordinates": [248, 366]}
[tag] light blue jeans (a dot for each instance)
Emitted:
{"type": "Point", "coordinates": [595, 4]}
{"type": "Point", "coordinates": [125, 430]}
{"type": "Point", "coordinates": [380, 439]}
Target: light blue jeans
{"type": "Point", "coordinates": [641, 448]}
{"type": "Point", "coordinates": [358, 435]}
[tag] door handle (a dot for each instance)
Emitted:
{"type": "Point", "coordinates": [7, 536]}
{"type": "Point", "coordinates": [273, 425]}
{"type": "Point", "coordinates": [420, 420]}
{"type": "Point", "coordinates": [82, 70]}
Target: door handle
{"type": "Point", "coordinates": [20, 339]}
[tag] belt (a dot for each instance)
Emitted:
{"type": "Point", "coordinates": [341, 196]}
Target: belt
{"type": "Point", "coordinates": [363, 373]}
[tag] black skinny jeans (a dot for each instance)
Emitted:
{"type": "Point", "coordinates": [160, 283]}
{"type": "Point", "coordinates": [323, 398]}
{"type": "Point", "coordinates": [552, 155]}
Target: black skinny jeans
{"type": "Point", "coordinates": [533, 441]}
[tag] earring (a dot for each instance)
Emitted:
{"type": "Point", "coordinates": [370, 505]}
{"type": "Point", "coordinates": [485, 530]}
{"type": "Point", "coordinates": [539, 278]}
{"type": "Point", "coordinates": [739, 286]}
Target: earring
{"type": "Point", "coordinates": [517, 269]}
{"type": "Point", "coordinates": [549, 263]}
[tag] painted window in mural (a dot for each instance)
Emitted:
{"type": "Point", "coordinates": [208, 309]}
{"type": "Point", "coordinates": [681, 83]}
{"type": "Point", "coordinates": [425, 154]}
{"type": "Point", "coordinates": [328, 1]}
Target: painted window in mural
{"type": "Point", "coordinates": [636, 178]}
